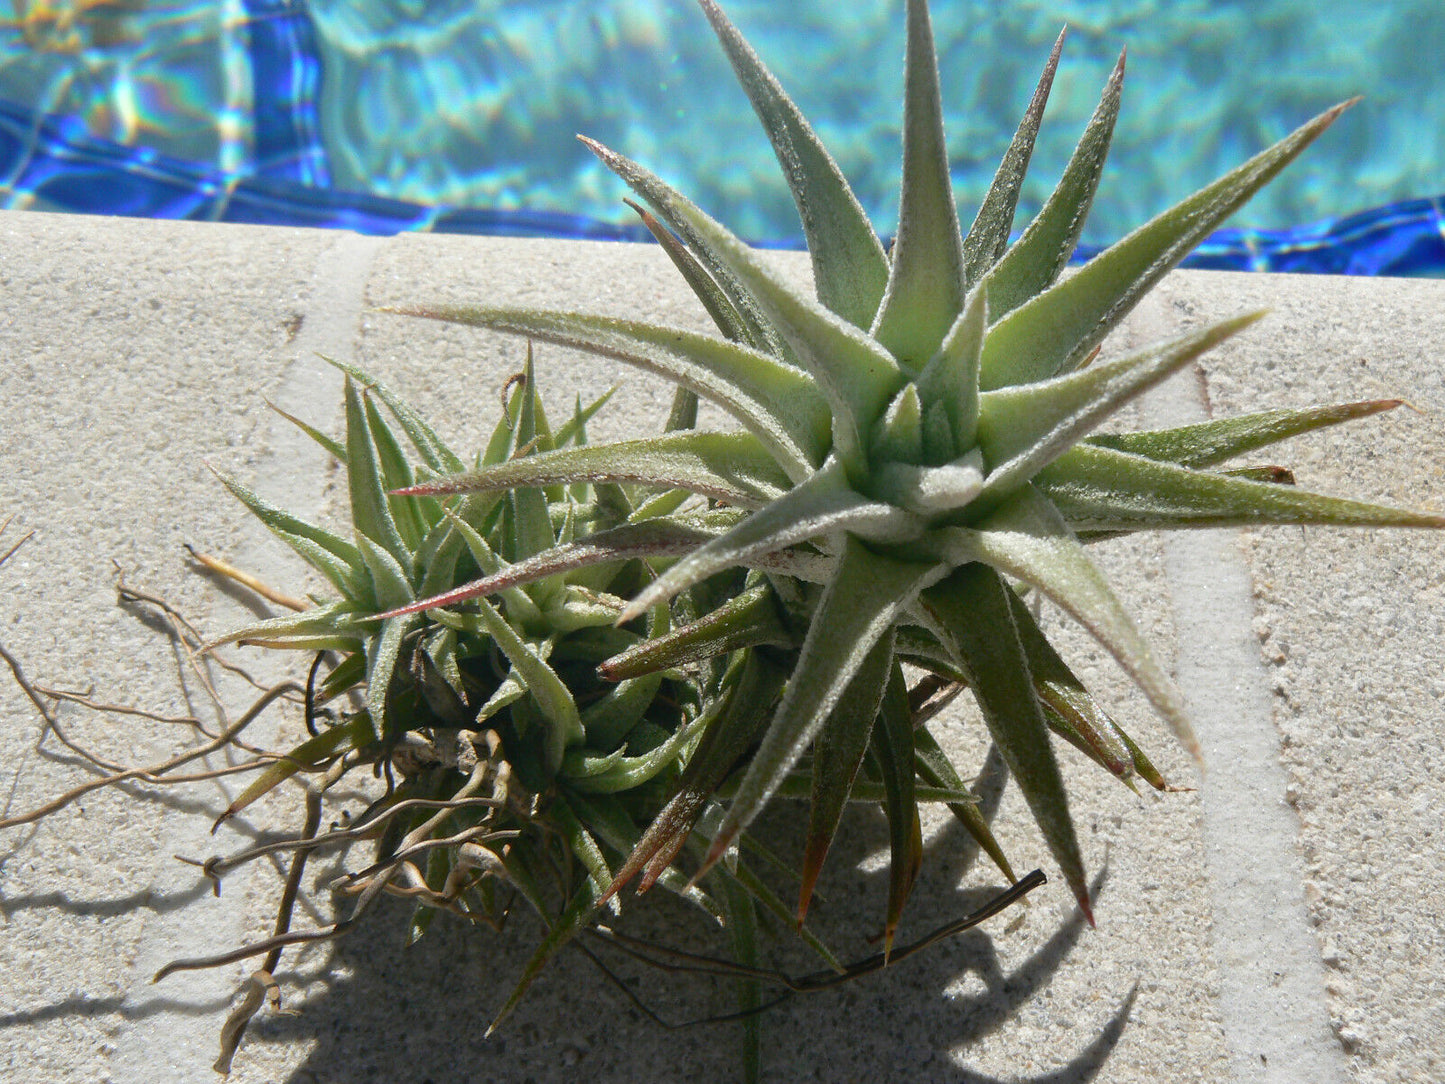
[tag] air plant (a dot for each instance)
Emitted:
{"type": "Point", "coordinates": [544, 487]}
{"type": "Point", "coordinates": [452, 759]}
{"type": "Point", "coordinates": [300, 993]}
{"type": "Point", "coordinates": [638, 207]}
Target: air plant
{"type": "Point", "coordinates": [920, 437]}
{"type": "Point", "coordinates": [512, 769]}
{"type": "Point", "coordinates": [579, 664]}
{"type": "Point", "coordinates": [531, 734]}
{"type": "Point", "coordinates": [518, 768]}
{"type": "Point", "coordinates": [526, 739]}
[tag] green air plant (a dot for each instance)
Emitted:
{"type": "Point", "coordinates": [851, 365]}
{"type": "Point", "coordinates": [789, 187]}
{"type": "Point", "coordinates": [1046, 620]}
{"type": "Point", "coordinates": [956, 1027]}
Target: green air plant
{"type": "Point", "coordinates": [513, 768]}
{"type": "Point", "coordinates": [919, 437]}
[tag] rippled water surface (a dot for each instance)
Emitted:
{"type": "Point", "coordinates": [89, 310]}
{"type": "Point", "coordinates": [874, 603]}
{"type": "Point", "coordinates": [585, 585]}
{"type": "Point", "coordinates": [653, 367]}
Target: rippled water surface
{"type": "Point", "coordinates": [332, 107]}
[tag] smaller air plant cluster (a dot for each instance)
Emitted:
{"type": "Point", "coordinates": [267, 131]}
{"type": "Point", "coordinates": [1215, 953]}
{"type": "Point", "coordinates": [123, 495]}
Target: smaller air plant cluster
{"type": "Point", "coordinates": [526, 747]}
{"type": "Point", "coordinates": [540, 738]}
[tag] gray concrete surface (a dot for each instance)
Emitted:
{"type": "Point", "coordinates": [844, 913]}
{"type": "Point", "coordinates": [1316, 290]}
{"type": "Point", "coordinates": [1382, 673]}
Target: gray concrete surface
{"type": "Point", "coordinates": [1280, 922]}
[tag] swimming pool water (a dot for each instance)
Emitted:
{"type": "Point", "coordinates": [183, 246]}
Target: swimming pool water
{"type": "Point", "coordinates": [382, 115]}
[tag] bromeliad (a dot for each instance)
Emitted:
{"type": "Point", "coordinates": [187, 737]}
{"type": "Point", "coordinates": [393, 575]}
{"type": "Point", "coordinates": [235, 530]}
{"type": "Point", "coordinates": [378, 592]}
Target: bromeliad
{"type": "Point", "coordinates": [919, 436]}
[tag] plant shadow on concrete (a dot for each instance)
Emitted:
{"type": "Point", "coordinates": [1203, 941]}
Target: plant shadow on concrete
{"type": "Point", "coordinates": [370, 1000]}
{"type": "Point", "coordinates": [375, 1002]}
{"type": "Point", "coordinates": [577, 1024]}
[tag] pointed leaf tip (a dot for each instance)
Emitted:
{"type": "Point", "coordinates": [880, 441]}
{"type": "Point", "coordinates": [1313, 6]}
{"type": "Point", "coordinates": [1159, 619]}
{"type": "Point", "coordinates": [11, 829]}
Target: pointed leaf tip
{"type": "Point", "coordinates": [1086, 905]}
{"type": "Point", "coordinates": [926, 284]}
{"type": "Point", "coordinates": [988, 237]}
{"type": "Point", "coordinates": [1053, 330]}
{"type": "Point", "coordinates": [1028, 266]}
{"type": "Point", "coordinates": [850, 269]}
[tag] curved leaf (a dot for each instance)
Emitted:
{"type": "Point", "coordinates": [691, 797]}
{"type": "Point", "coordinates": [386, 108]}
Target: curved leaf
{"type": "Point", "coordinates": [388, 578]}
{"type": "Point", "coordinates": [564, 723]}
{"type": "Point", "coordinates": [431, 447]}
{"type": "Point", "coordinates": [1055, 330]}
{"type": "Point", "coordinates": [821, 504]}
{"type": "Point", "coordinates": [1035, 259]}
{"type": "Point", "coordinates": [1206, 444]}
{"type": "Point", "coordinates": [1028, 539]}
{"type": "Point", "coordinates": [930, 491]}
{"type": "Point", "coordinates": [935, 769]}
{"type": "Point", "coordinates": [412, 518]}
{"type": "Point", "coordinates": [772, 400]}
{"type": "Point", "coordinates": [665, 200]}
{"type": "Point", "coordinates": [383, 653]}
{"type": "Point", "coordinates": [1068, 706]}
{"type": "Point", "coordinates": [370, 512]}
{"type": "Point", "coordinates": [581, 843]}
{"type": "Point", "coordinates": [973, 614]}
{"type": "Point", "coordinates": [850, 269]}
{"type": "Point", "coordinates": [837, 755]}
{"type": "Point", "coordinates": [1021, 429]}
{"type": "Point", "coordinates": [334, 557]}
{"type": "Point", "coordinates": [857, 375]}
{"type": "Point", "coordinates": [560, 930]}
{"type": "Point", "coordinates": [580, 763]}
{"type": "Point", "coordinates": [988, 236]}
{"type": "Point", "coordinates": [353, 733]}
{"type": "Point", "coordinates": [629, 772]}
{"type": "Point", "coordinates": [736, 720]}
{"type": "Point", "coordinates": [1100, 489]}
{"type": "Point", "coordinates": [717, 303]}
{"type": "Point", "coordinates": [859, 605]}
{"type": "Point", "coordinates": [893, 750]}
{"type": "Point", "coordinates": [340, 624]}
{"type": "Point", "coordinates": [733, 467]}
{"type": "Point", "coordinates": [648, 539]}
{"type": "Point", "coordinates": [608, 721]}
{"type": "Point", "coordinates": [951, 375]}
{"type": "Point", "coordinates": [750, 619]}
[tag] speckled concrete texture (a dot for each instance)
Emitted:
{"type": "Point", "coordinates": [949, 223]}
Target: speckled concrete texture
{"type": "Point", "coordinates": [1301, 943]}
{"type": "Point", "coordinates": [1349, 625]}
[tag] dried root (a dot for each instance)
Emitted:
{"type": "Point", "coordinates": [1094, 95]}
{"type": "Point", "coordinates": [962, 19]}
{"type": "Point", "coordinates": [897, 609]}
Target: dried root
{"type": "Point", "coordinates": [407, 829]}
{"type": "Point", "coordinates": [453, 830]}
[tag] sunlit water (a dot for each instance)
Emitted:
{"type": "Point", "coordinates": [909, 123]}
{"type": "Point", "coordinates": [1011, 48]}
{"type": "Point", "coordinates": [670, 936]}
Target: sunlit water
{"type": "Point", "coordinates": [321, 112]}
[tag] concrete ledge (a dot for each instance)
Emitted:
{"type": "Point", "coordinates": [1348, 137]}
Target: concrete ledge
{"type": "Point", "coordinates": [1282, 922]}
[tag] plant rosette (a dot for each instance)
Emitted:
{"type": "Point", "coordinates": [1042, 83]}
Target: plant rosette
{"type": "Point", "coordinates": [522, 766]}
{"type": "Point", "coordinates": [919, 446]}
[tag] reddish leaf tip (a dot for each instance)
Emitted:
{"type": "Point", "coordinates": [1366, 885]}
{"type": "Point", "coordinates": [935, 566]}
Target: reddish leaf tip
{"type": "Point", "coordinates": [716, 851]}
{"type": "Point", "coordinates": [1330, 115]}
{"type": "Point", "coordinates": [611, 891]}
{"type": "Point", "coordinates": [718, 848]}
{"type": "Point", "coordinates": [805, 895]}
{"type": "Point", "coordinates": [1086, 906]}
{"type": "Point", "coordinates": [598, 149]}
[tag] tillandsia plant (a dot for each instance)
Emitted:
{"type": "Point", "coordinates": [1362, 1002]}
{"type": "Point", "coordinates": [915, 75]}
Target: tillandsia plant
{"type": "Point", "coordinates": [512, 768]}
{"type": "Point", "coordinates": [529, 741]}
{"type": "Point", "coordinates": [919, 437]}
